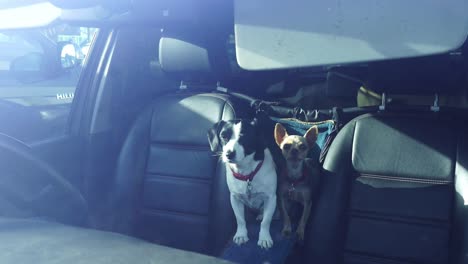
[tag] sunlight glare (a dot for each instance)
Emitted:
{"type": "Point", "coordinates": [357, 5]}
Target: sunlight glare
{"type": "Point", "coordinates": [29, 16]}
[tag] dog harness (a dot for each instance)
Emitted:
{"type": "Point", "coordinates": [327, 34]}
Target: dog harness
{"type": "Point", "coordinates": [249, 177]}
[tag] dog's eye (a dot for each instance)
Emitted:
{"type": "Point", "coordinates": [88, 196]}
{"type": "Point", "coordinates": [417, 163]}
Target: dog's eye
{"type": "Point", "coordinates": [224, 136]}
{"type": "Point", "coordinates": [302, 147]}
{"type": "Point", "coordinates": [287, 146]}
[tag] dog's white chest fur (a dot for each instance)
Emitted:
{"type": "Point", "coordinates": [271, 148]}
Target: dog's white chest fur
{"type": "Point", "coordinates": [262, 186]}
{"type": "Point", "coordinates": [242, 148]}
{"type": "Point", "coordinates": [254, 200]}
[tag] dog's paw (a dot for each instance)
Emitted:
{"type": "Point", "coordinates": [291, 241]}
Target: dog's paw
{"type": "Point", "coordinates": [286, 231]}
{"type": "Point", "coordinates": [300, 233]}
{"type": "Point", "coordinates": [260, 217]}
{"type": "Point", "coordinates": [265, 241]}
{"type": "Point", "coordinates": [240, 237]}
{"type": "Point", "coordinates": [239, 240]}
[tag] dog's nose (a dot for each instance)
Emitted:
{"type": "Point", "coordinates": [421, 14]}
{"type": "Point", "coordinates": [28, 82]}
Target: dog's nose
{"type": "Point", "coordinates": [230, 154]}
{"type": "Point", "coordinates": [294, 152]}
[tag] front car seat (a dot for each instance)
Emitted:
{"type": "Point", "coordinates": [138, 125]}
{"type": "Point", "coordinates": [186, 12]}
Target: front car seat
{"type": "Point", "coordinates": [169, 187]}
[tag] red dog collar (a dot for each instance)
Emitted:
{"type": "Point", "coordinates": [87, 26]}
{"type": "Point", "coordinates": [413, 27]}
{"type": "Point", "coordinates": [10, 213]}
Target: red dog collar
{"type": "Point", "coordinates": [248, 177]}
{"type": "Point", "coordinates": [296, 181]}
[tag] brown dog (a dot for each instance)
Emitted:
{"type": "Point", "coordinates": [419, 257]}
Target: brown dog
{"type": "Point", "coordinates": [299, 179]}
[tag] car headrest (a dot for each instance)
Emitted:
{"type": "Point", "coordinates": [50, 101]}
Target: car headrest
{"type": "Point", "coordinates": [442, 74]}
{"type": "Point", "coordinates": [191, 59]}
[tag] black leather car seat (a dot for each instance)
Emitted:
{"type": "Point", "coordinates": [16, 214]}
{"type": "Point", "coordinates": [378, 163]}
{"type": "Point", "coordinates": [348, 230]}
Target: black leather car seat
{"type": "Point", "coordinates": [395, 190]}
{"type": "Point", "coordinates": [170, 189]}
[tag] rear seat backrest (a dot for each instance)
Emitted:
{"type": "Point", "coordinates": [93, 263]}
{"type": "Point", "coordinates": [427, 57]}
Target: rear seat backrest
{"type": "Point", "coordinates": [170, 188]}
{"type": "Point", "coordinates": [175, 206]}
{"type": "Point", "coordinates": [395, 181]}
{"type": "Point", "coordinates": [395, 187]}
{"type": "Point", "coordinates": [401, 198]}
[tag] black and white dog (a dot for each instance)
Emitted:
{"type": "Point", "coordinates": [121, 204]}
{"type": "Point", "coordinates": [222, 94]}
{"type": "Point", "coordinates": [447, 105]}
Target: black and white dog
{"type": "Point", "coordinates": [250, 174]}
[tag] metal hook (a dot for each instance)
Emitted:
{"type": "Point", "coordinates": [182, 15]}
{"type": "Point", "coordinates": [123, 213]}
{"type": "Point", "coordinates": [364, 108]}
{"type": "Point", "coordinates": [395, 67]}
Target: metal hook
{"type": "Point", "coordinates": [182, 86]}
{"type": "Point", "coordinates": [435, 107]}
{"type": "Point", "coordinates": [219, 88]}
{"type": "Point", "coordinates": [384, 101]}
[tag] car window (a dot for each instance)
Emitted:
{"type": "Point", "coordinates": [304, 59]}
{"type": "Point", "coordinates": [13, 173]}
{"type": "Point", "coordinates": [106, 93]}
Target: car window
{"type": "Point", "coordinates": [39, 71]}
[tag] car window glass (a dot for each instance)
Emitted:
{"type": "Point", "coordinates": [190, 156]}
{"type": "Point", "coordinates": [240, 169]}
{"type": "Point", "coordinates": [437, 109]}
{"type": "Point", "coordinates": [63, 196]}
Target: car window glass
{"type": "Point", "coordinates": [39, 71]}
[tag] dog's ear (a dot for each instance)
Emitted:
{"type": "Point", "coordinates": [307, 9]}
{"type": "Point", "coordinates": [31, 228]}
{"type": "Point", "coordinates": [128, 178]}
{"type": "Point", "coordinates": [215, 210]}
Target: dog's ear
{"type": "Point", "coordinates": [280, 133]}
{"type": "Point", "coordinates": [259, 142]}
{"type": "Point", "coordinates": [311, 135]}
{"type": "Point", "coordinates": [259, 151]}
{"type": "Point", "coordinates": [259, 148]}
{"type": "Point", "coordinates": [213, 135]}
